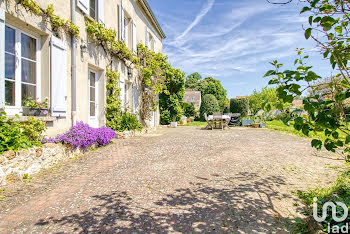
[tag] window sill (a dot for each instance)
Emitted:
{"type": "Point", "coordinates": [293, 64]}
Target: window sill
{"type": "Point", "coordinates": [25, 118]}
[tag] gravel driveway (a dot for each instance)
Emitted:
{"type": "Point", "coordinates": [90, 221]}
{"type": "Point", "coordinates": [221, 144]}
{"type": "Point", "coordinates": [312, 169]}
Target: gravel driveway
{"type": "Point", "coordinates": [174, 180]}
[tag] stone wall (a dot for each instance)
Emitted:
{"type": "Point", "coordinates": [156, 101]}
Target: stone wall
{"type": "Point", "coordinates": [14, 165]}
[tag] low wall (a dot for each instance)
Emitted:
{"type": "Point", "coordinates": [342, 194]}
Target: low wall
{"type": "Point", "coordinates": [14, 165]}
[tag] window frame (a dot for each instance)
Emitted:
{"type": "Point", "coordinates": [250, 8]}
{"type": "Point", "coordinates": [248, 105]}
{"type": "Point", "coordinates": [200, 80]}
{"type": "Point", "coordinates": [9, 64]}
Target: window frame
{"type": "Point", "coordinates": [17, 108]}
{"type": "Point", "coordinates": [93, 117]}
{"type": "Point", "coordinates": [96, 10]}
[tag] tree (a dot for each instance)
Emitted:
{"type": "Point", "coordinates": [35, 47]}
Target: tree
{"type": "Point", "coordinates": [329, 27]}
{"type": "Point", "coordinates": [266, 99]}
{"type": "Point", "coordinates": [239, 106]}
{"type": "Point", "coordinates": [189, 109]}
{"type": "Point", "coordinates": [192, 81]}
{"type": "Point", "coordinates": [171, 101]}
{"type": "Point", "coordinates": [213, 86]}
{"type": "Point", "coordinates": [209, 105]}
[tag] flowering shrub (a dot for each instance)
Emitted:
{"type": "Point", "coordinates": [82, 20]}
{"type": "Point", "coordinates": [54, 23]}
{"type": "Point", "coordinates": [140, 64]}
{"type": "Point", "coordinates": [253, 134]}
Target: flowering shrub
{"type": "Point", "coordinates": [29, 102]}
{"type": "Point", "coordinates": [82, 135]}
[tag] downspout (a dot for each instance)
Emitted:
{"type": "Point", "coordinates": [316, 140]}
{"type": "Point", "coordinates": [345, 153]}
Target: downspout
{"type": "Point", "coordinates": [74, 69]}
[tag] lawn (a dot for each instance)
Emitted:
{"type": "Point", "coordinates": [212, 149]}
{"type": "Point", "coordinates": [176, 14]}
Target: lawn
{"type": "Point", "coordinates": [197, 124]}
{"type": "Point", "coordinates": [280, 126]}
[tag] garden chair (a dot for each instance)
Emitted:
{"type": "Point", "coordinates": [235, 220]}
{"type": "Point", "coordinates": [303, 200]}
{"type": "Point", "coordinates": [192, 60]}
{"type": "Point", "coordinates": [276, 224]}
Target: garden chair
{"type": "Point", "coordinates": [217, 117]}
{"type": "Point", "coordinates": [208, 122]}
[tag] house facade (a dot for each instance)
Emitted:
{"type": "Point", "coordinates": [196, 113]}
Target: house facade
{"type": "Point", "coordinates": [193, 97]}
{"type": "Point", "coordinates": [70, 71]}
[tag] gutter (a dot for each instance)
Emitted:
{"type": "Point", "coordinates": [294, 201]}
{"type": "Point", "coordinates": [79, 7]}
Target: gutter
{"type": "Point", "coordinates": [74, 69]}
{"type": "Point", "coordinates": [150, 13]}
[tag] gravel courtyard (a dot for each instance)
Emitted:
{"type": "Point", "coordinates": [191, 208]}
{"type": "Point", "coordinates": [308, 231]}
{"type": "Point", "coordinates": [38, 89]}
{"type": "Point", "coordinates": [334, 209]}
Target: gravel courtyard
{"type": "Point", "coordinates": [173, 180]}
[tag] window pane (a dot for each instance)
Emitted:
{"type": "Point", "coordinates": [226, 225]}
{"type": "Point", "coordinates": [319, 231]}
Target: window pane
{"type": "Point", "coordinates": [10, 66]}
{"type": "Point", "coordinates": [93, 8]}
{"type": "Point", "coordinates": [92, 94]}
{"type": "Point", "coordinates": [92, 109]}
{"type": "Point", "coordinates": [92, 79]}
{"type": "Point", "coordinates": [9, 93]}
{"type": "Point", "coordinates": [28, 91]}
{"type": "Point", "coordinates": [28, 47]}
{"type": "Point", "coordinates": [28, 71]}
{"type": "Point", "coordinates": [10, 40]}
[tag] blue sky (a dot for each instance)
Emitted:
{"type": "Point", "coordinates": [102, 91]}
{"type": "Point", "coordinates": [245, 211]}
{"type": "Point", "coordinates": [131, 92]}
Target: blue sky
{"type": "Point", "coordinates": [234, 40]}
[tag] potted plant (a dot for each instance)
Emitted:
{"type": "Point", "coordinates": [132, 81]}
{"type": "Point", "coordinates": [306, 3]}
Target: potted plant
{"type": "Point", "coordinates": [33, 107]}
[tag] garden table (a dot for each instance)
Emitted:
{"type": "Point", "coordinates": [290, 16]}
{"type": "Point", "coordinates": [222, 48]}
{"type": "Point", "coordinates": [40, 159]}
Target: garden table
{"type": "Point", "coordinates": [225, 118]}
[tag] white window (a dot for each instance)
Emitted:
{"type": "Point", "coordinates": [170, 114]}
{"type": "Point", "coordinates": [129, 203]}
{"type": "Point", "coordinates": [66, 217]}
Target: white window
{"type": "Point", "coordinates": [22, 68]}
{"type": "Point", "coordinates": [93, 9]}
{"type": "Point", "coordinates": [151, 42]}
{"type": "Point", "coordinates": [92, 93]}
{"type": "Point", "coordinates": [126, 31]}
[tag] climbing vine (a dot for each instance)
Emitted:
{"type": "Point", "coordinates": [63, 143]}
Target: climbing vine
{"type": "Point", "coordinates": [158, 77]}
{"type": "Point", "coordinates": [107, 38]}
{"type": "Point", "coordinates": [113, 110]}
{"type": "Point", "coordinates": [57, 23]}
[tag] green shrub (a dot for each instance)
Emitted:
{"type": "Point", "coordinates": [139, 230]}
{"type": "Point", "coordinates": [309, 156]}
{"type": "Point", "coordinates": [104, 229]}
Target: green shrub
{"type": "Point", "coordinates": [20, 135]}
{"type": "Point", "coordinates": [209, 105]}
{"type": "Point", "coordinates": [165, 117]}
{"type": "Point", "coordinates": [189, 109]}
{"type": "Point", "coordinates": [239, 106]}
{"type": "Point", "coordinates": [129, 122]}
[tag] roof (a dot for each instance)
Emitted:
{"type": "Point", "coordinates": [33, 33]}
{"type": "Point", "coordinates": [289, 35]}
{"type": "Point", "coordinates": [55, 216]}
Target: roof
{"type": "Point", "coordinates": [150, 14]}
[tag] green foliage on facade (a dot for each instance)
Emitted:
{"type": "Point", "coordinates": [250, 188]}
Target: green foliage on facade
{"type": "Point", "coordinates": [20, 135]}
{"type": "Point", "coordinates": [57, 23]}
{"type": "Point", "coordinates": [158, 77]}
{"type": "Point", "coordinates": [107, 38]}
{"type": "Point", "coordinates": [113, 110]}
{"type": "Point", "coordinates": [209, 105]}
{"type": "Point", "coordinates": [239, 106]}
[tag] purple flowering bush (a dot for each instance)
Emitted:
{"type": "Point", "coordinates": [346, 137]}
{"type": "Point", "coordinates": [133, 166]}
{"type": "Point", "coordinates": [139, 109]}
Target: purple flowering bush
{"type": "Point", "coordinates": [82, 136]}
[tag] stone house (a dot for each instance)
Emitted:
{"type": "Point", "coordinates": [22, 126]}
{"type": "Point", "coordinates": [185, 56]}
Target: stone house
{"type": "Point", "coordinates": [70, 70]}
{"type": "Point", "coordinates": [193, 97]}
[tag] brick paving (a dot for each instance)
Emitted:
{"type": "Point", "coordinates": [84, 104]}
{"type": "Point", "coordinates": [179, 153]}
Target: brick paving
{"type": "Point", "coordinates": [175, 180]}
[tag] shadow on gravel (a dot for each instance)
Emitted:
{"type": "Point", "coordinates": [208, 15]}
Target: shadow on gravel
{"type": "Point", "coordinates": [245, 205]}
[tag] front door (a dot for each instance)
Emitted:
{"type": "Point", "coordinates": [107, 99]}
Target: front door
{"type": "Point", "coordinates": [93, 100]}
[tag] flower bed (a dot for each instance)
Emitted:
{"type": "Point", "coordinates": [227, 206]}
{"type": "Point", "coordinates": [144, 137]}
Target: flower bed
{"type": "Point", "coordinates": [82, 136]}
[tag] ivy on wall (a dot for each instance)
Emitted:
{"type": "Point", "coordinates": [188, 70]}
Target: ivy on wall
{"type": "Point", "coordinates": [107, 38]}
{"type": "Point", "coordinates": [154, 70]}
{"type": "Point", "coordinates": [113, 110]}
{"type": "Point", "coordinates": [158, 77]}
{"type": "Point", "coordinates": [57, 23]}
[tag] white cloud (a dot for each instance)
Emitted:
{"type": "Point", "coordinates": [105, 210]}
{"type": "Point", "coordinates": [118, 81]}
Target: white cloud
{"type": "Point", "coordinates": [198, 18]}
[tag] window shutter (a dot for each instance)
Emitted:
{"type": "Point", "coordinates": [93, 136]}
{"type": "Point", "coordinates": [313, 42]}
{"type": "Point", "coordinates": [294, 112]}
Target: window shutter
{"type": "Point", "coordinates": [121, 21]}
{"type": "Point", "coordinates": [134, 41]}
{"type": "Point", "coordinates": [101, 11]}
{"type": "Point", "coordinates": [147, 37]}
{"type": "Point", "coordinates": [122, 93]}
{"type": "Point", "coordinates": [58, 77]}
{"type": "Point", "coordinates": [84, 5]}
{"type": "Point", "coordinates": [136, 97]}
{"type": "Point", "coordinates": [2, 58]}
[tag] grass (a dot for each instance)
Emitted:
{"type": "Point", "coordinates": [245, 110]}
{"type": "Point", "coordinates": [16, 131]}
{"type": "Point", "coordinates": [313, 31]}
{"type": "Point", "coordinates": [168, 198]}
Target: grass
{"type": "Point", "coordinates": [197, 124]}
{"type": "Point", "coordinates": [280, 126]}
{"type": "Point", "coordinates": [339, 191]}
